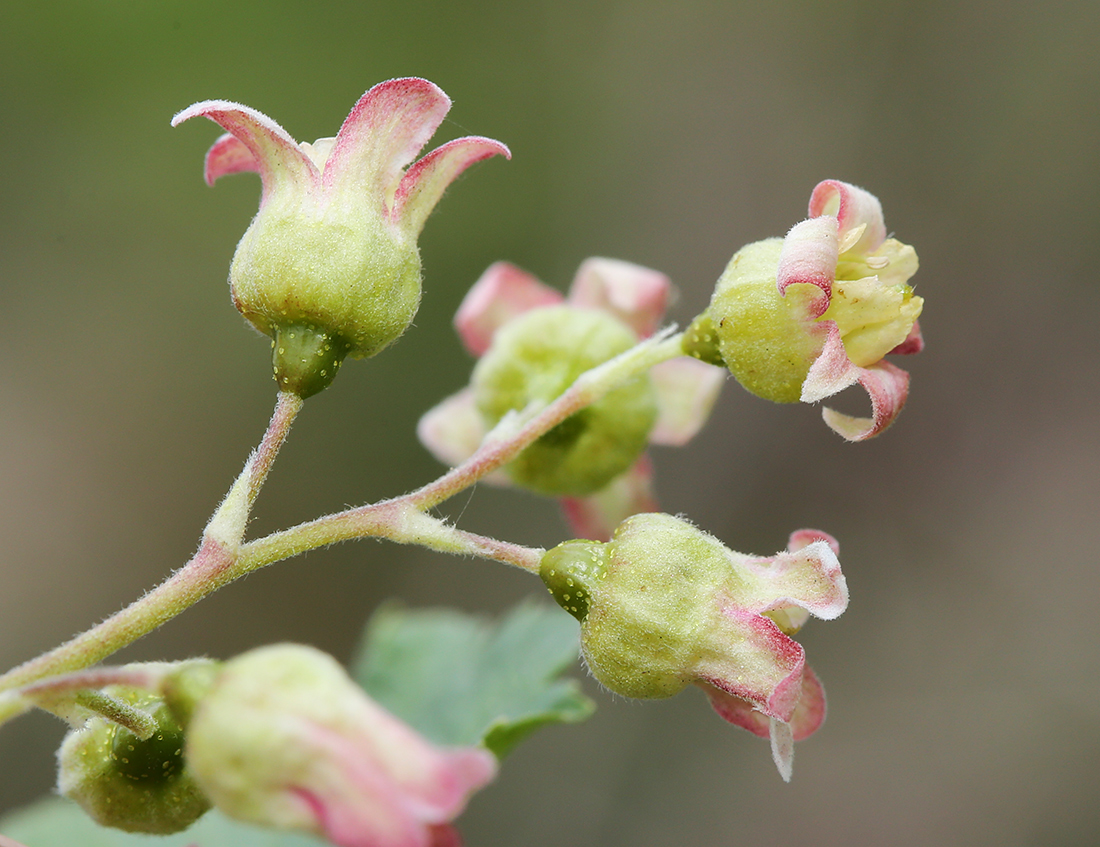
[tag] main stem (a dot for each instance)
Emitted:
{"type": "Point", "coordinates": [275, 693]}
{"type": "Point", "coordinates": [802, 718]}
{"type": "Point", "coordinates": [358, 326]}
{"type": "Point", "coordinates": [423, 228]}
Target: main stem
{"type": "Point", "coordinates": [222, 557]}
{"type": "Point", "coordinates": [217, 563]}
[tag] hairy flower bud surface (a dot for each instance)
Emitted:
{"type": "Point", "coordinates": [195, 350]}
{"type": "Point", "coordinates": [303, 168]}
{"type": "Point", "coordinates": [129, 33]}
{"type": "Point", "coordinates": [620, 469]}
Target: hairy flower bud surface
{"type": "Point", "coordinates": [534, 359]}
{"type": "Point", "coordinates": [663, 605]}
{"type": "Point", "coordinates": [285, 739]}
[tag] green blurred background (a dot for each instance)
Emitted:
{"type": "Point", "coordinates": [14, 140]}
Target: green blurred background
{"type": "Point", "coordinates": [963, 680]}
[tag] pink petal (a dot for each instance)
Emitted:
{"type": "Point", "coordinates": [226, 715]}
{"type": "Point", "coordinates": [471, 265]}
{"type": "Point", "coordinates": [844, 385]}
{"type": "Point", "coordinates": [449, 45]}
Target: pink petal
{"type": "Point", "coordinates": [809, 578]}
{"type": "Point", "coordinates": [444, 835]}
{"type": "Point", "coordinates": [384, 132]}
{"type": "Point", "coordinates": [782, 740]}
{"type": "Point", "coordinates": [453, 430]}
{"type": "Point", "coordinates": [888, 387]}
{"type": "Point", "coordinates": [425, 182]}
{"type": "Point", "coordinates": [503, 292]}
{"type": "Point", "coordinates": [809, 256]}
{"type": "Point", "coordinates": [277, 157]}
{"type": "Point", "coordinates": [228, 156]}
{"type": "Point", "coordinates": [635, 295]}
{"type": "Point", "coordinates": [913, 343]}
{"type": "Point", "coordinates": [686, 392]}
{"type": "Point", "coordinates": [595, 517]}
{"type": "Point", "coordinates": [853, 207]}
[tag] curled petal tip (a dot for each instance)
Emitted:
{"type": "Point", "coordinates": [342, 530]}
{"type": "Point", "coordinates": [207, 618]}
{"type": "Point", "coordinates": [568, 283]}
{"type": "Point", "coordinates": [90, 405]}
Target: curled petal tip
{"type": "Point", "coordinates": [809, 256]}
{"type": "Point", "coordinates": [913, 343]}
{"type": "Point", "coordinates": [853, 207]}
{"type": "Point", "coordinates": [888, 388]}
{"type": "Point", "coordinates": [424, 183]}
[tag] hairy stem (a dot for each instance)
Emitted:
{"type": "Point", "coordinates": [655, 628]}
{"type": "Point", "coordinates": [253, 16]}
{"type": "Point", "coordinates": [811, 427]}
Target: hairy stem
{"type": "Point", "coordinates": [222, 557]}
{"type": "Point", "coordinates": [215, 564]}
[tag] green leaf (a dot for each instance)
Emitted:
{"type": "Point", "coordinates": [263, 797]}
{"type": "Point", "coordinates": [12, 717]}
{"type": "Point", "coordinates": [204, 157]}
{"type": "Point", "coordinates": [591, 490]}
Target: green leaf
{"type": "Point", "coordinates": [57, 822]}
{"type": "Point", "coordinates": [460, 679]}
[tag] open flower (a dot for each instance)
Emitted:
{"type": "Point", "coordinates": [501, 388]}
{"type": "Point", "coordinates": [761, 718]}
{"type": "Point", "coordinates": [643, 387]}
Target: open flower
{"type": "Point", "coordinates": [329, 266]}
{"type": "Point", "coordinates": [804, 317]}
{"type": "Point", "coordinates": [663, 605]}
{"type": "Point", "coordinates": [533, 344]}
{"type": "Point", "coordinates": [285, 739]}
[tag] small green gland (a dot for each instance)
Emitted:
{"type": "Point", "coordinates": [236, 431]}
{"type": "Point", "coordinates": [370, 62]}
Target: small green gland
{"type": "Point", "coordinates": [701, 341]}
{"type": "Point", "coordinates": [306, 359]}
{"type": "Point", "coordinates": [571, 571]}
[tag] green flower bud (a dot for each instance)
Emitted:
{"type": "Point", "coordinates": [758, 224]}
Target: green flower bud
{"type": "Point", "coordinates": [664, 604]}
{"type": "Point", "coordinates": [128, 783]}
{"type": "Point", "coordinates": [329, 267]}
{"type": "Point", "coordinates": [537, 356]}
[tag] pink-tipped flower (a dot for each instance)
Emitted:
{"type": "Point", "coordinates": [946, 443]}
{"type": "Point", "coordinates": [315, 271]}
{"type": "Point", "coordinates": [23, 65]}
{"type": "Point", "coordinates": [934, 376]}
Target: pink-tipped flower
{"type": "Point", "coordinates": [329, 266]}
{"type": "Point", "coordinates": [533, 343]}
{"type": "Point", "coordinates": [664, 605]}
{"type": "Point", "coordinates": [285, 739]}
{"type": "Point", "coordinates": [804, 317]}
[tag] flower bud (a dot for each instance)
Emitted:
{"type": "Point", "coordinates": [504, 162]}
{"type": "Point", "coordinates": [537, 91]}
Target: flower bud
{"type": "Point", "coordinates": [285, 739]}
{"type": "Point", "coordinates": [534, 358]}
{"type": "Point", "coordinates": [128, 783]}
{"type": "Point", "coordinates": [663, 604]}
{"type": "Point", "coordinates": [803, 317]}
{"type": "Point", "coordinates": [329, 266]}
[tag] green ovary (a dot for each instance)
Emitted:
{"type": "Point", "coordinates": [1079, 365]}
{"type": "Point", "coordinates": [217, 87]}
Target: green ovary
{"type": "Point", "coordinates": [538, 356]}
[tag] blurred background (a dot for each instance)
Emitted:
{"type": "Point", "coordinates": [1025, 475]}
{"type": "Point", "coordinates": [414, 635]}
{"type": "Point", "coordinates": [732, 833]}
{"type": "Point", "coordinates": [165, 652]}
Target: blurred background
{"type": "Point", "coordinates": [963, 681]}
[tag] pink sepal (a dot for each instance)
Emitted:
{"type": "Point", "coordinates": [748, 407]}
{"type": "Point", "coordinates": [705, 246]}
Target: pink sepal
{"type": "Point", "coordinates": [853, 207]}
{"type": "Point", "coordinates": [807, 718]}
{"type": "Point", "coordinates": [595, 517]}
{"type": "Point", "coordinates": [634, 294]}
{"type": "Point", "coordinates": [807, 578]}
{"type": "Point", "coordinates": [385, 130]}
{"type": "Point", "coordinates": [766, 667]}
{"type": "Point", "coordinates": [391, 790]}
{"type": "Point", "coordinates": [228, 156]}
{"type": "Point", "coordinates": [802, 538]}
{"type": "Point", "coordinates": [888, 387]}
{"type": "Point", "coordinates": [425, 182]}
{"type": "Point", "coordinates": [808, 715]}
{"type": "Point", "coordinates": [500, 294]}
{"type": "Point", "coordinates": [444, 835]}
{"type": "Point", "coordinates": [913, 343]}
{"type": "Point", "coordinates": [453, 429]}
{"type": "Point", "coordinates": [277, 157]}
{"type": "Point", "coordinates": [686, 392]}
{"type": "Point", "coordinates": [832, 371]}
{"type": "Point", "coordinates": [809, 256]}
{"type": "Point", "coordinates": [886, 384]}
